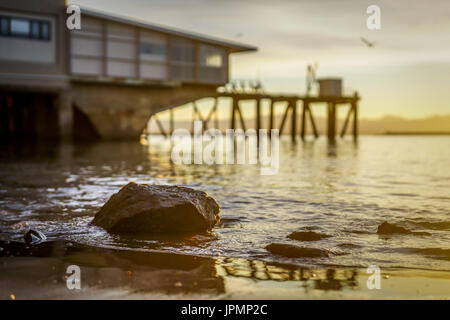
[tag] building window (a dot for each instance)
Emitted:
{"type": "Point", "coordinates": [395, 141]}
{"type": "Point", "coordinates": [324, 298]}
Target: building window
{"type": "Point", "coordinates": [45, 30]}
{"type": "Point", "coordinates": [4, 26]}
{"type": "Point", "coordinates": [19, 27]}
{"type": "Point", "coordinates": [211, 57]}
{"type": "Point", "coordinates": [214, 60]}
{"type": "Point", "coordinates": [183, 51]}
{"type": "Point", "coordinates": [35, 29]}
{"type": "Point", "coordinates": [156, 49]}
{"type": "Point", "coordinates": [24, 28]}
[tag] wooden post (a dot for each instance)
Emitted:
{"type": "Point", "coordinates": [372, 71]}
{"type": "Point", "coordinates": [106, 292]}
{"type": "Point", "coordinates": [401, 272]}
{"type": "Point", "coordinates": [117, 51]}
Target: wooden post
{"type": "Point", "coordinates": [233, 113]}
{"type": "Point", "coordinates": [216, 114]}
{"type": "Point", "coordinates": [271, 115]}
{"type": "Point", "coordinates": [258, 116]}
{"type": "Point", "coordinates": [294, 121]}
{"type": "Point", "coordinates": [193, 119]}
{"type": "Point", "coordinates": [331, 121]}
{"type": "Point", "coordinates": [304, 111]}
{"type": "Point", "coordinates": [172, 124]}
{"type": "Point", "coordinates": [355, 120]}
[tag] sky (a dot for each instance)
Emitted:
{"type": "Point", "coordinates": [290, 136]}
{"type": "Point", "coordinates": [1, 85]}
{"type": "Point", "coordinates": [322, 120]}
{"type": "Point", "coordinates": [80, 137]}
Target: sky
{"type": "Point", "coordinates": [406, 73]}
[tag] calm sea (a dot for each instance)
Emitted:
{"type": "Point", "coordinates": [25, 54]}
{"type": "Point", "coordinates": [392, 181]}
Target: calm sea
{"type": "Point", "coordinates": [345, 191]}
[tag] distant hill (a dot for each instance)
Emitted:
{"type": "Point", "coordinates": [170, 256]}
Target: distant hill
{"type": "Point", "coordinates": [385, 125]}
{"type": "Point", "coordinates": [392, 124]}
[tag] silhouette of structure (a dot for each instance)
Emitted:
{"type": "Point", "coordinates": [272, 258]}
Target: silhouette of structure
{"type": "Point", "coordinates": [106, 80]}
{"type": "Point", "coordinates": [103, 81]}
{"type": "Point", "coordinates": [293, 104]}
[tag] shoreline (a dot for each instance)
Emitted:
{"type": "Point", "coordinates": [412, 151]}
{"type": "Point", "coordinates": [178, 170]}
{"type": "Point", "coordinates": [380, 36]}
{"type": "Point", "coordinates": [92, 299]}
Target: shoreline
{"type": "Point", "coordinates": [128, 274]}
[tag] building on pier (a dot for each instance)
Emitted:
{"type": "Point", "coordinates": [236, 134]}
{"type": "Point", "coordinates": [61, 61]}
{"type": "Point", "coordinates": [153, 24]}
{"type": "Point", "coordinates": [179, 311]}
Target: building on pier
{"type": "Point", "coordinates": [103, 81]}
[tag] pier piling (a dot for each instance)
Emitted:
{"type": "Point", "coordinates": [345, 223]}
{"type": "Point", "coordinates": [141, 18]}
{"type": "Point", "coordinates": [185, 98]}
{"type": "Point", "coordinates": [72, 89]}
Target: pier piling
{"type": "Point", "coordinates": [291, 102]}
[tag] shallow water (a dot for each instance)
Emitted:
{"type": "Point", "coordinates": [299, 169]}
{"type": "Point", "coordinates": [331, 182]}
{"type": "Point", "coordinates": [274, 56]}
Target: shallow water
{"type": "Point", "coordinates": [344, 191]}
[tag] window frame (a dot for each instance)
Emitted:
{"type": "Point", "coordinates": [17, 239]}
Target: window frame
{"type": "Point", "coordinates": [14, 34]}
{"type": "Point", "coordinates": [29, 35]}
{"type": "Point", "coordinates": [38, 29]}
{"type": "Point", "coordinates": [207, 55]}
{"type": "Point", "coordinates": [149, 45]}
{"type": "Point", "coordinates": [49, 26]}
{"type": "Point", "coordinates": [7, 33]}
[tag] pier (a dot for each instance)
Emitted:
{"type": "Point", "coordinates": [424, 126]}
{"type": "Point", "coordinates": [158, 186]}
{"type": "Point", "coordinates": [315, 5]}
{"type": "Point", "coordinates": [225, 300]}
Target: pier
{"type": "Point", "coordinates": [107, 80]}
{"type": "Point", "coordinates": [297, 108]}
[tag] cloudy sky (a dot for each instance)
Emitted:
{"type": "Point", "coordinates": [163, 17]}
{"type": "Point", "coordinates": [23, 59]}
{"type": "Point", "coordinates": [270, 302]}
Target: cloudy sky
{"type": "Point", "coordinates": [406, 73]}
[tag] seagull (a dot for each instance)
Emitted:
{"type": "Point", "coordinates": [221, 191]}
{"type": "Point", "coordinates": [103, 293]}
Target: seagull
{"type": "Point", "coordinates": [367, 42]}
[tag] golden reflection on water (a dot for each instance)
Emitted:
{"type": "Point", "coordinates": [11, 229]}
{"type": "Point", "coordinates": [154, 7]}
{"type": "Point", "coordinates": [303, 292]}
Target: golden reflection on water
{"type": "Point", "coordinates": [342, 190]}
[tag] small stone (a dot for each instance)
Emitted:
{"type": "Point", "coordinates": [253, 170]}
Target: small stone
{"type": "Point", "coordinates": [390, 228]}
{"type": "Point", "coordinates": [307, 236]}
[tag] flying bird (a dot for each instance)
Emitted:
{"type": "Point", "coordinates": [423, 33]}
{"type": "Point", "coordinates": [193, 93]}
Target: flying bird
{"type": "Point", "coordinates": [367, 42]}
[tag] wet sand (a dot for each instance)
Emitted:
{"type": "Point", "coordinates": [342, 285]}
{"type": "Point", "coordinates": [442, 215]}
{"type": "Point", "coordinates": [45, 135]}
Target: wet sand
{"type": "Point", "coordinates": [39, 272]}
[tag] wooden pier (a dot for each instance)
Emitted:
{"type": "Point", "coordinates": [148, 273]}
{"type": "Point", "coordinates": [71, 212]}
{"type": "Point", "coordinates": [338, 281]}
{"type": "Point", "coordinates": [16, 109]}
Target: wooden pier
{"type": "Point", "coordinates": [297, 108]}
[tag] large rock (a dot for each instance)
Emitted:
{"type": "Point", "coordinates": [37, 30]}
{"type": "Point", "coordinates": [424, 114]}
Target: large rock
{"type": "Point", "coordinates": [142, 208]}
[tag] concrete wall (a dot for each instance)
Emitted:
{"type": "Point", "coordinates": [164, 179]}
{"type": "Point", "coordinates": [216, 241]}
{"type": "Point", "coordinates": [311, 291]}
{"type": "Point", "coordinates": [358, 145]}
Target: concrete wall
{"type": "Point", "coordinates": [122, 112]}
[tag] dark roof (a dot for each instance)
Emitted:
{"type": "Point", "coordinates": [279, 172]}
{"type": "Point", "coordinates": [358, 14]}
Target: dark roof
{"type": "Point", "coordinates": [234, 46]}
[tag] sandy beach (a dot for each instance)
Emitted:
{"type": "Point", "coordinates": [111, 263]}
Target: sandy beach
{"type": "Point", "coordinates": [125, 274]}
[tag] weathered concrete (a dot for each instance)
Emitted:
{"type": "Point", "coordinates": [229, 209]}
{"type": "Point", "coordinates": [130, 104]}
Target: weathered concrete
{"type": "Point", "coordinates": [63, 103]}
{"type": "Point", "coordinates": [122, 111]}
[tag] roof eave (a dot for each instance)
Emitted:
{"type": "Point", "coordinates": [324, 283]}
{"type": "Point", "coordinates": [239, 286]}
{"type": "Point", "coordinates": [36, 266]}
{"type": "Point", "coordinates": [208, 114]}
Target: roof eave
{"type": "Point", "coordinates": [232, 46]}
